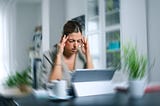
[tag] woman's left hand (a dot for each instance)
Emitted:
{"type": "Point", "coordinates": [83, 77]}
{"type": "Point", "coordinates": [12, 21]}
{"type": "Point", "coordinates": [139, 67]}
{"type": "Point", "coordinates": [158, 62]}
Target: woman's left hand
{"type": "Point", "coordinates": [86, 50]}
{"type": "Point", "coordinates": [85, 45]}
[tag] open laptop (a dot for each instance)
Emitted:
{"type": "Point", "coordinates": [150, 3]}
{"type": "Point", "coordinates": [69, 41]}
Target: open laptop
{"type": "Point", "coordinates": [87, 82]}
{"type": "Point", "coordinates": [87, 75]}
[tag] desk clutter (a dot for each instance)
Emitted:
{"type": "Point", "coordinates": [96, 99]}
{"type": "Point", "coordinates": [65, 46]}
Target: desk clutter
{"type": "Point", "coordinates": [148, 89]}
{"type": "Point", "coordinates": [152, 88]}
{"type": "Point", "coordinates": [44, 94]}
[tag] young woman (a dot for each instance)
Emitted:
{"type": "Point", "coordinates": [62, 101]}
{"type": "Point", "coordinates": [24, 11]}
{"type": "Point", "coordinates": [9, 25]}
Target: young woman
{"type": "Point", "coordinates": [72, 52]}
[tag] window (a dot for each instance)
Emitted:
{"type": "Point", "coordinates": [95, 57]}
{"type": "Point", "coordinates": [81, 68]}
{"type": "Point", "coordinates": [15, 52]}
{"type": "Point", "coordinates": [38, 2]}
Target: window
{"type": "Point", "coordinates": [7, 28]}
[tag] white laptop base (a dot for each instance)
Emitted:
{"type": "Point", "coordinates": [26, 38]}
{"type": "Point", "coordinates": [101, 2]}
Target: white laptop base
{"type": "Point", "coordinates": [93, 88]}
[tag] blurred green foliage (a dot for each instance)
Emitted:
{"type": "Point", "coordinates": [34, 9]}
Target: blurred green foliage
{"type": "Point", "coordinates": [19, 78]}
{"type": "Point", "coordinates": [135, 62]}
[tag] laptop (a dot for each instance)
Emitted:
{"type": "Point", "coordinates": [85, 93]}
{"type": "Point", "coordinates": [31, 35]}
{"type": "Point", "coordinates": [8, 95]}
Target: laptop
{"type": "Point", "coordinates": [85, 75]}
{"type": "Point", "coordinates": [87, 82]}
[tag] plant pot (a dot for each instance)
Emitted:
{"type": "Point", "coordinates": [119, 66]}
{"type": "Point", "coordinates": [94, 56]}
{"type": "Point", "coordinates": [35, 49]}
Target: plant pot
{"type": "Point", "coordinates": [136, 88]}
{"type": "Point", "coordinates": [23, 88]}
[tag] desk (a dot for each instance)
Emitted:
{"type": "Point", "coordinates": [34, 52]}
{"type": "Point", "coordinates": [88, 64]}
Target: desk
{"type": "Point", "coordinates": [117, 99]}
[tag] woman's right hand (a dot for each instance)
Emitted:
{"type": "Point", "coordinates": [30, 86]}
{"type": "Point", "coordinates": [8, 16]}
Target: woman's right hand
{"type": "Point", "coordinates": [61, 44]}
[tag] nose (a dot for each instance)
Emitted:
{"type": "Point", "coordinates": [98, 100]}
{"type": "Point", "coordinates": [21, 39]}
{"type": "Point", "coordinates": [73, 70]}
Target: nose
{"type": "Point", "coordinates": [76, 44]}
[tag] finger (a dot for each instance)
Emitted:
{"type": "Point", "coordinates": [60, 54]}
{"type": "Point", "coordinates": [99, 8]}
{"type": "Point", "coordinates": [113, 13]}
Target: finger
{"type": "Point", "coordinates": [83, 39]}
{"type": "Point", "coordinates": [64, 39]}
{"type": "Point", "coordinates": [82, 44]}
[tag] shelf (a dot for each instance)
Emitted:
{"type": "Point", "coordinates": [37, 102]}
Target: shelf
{"type": "Point", "coordinates": [103, 31]}
{"type": "Point", "coordinates": [112, 17]}
{"type": "Point", "coordinates": [92, 18]}
{"type": "Point", "coordinates": [112, 12]}
{"type": "Point", "coordinates": [112, 28]}
{"type": "Point", "coordinates": [92, 9]}
{"type": "Point", "coordinates": [93, 23]}
{"type": "Point", "coordinates": [113, 50]}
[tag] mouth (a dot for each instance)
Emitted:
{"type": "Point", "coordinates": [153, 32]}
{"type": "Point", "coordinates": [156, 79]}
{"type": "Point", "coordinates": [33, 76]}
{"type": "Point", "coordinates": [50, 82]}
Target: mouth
{"type": "Point", "coordinates": [74, 50]}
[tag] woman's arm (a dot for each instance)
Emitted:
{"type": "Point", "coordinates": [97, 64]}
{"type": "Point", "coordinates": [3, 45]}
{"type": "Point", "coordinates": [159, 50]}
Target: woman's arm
{"type": "Point", "coordinates": [86, 51]}
{"type": "Point", "coordinates": [56, 72]}
{"type": "Point", "coordinates": [89, 61]}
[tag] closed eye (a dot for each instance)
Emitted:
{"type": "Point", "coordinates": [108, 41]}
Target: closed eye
{"type": "Point", "coordinates": [73, 41]}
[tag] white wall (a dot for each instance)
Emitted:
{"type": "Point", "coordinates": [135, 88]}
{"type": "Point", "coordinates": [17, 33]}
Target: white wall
{"type": "Point", "coordinates": [133, 23]}
{"type": "Point", "coordinates": [28, 17]}
{"type": "Point", "coordinates": [75, 8]}
{"type": "Point", "coordinates": [57, 19]}
{"type": "Point", "coordinates": [154, 38]}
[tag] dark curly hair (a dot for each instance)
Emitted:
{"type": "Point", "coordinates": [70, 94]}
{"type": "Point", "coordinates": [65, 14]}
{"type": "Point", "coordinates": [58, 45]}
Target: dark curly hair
{"type": "Point", "coordinates": [71, 26]}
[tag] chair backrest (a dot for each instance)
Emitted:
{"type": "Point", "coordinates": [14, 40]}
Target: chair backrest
{"type": "Point", "coordinates": [35, 69]}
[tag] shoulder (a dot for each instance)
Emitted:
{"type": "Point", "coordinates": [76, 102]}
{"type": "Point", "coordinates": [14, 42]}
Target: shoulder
{"type": "Point", "coordinates": [52, 50]}
{"type": "Point", "coordinates": [50, 54]}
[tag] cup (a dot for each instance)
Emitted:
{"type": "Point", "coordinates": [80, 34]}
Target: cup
{"type": "Point", "coordinates": [58, 88]}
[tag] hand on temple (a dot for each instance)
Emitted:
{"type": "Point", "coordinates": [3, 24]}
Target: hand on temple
{"type": "Point", "coordinates": [85, 46]}
{"type": "Point", "coordinates": [61, 44]}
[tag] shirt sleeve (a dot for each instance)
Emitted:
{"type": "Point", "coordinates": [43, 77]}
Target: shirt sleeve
{"type": "Point", "coordinates": [47, 63]}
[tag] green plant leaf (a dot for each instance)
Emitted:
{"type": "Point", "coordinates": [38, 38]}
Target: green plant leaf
{"type": "Point", "coordinates": [19, 78]}
{"type": "Point", "coordinates": [134, 63]}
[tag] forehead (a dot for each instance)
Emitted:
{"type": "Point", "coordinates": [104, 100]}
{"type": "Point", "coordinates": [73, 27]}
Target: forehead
{"type": "Point", "coordinates": [75, 35]}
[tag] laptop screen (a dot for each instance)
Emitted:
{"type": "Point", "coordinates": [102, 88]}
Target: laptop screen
{"type": "Point", "coordinates": [87, 75]}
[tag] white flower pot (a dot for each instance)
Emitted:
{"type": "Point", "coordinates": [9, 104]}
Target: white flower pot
{"type": "Point", "coordinates": [136, 88]}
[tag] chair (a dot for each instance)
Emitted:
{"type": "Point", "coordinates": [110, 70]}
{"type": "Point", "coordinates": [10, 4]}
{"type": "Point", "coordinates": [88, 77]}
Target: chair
{"type": "Point", "coordinates": [36, 67]}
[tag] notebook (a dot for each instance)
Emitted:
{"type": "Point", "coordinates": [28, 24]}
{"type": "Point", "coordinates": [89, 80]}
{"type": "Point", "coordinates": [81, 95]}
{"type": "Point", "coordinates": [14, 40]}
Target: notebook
{"type": "Point", "coordinates": [87, 82]}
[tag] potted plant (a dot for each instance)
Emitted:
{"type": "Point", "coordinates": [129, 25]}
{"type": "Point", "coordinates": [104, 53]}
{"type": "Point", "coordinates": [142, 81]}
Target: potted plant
{"type": "Point", "coordinates": [20, 79]}
{"type": "Point", "coordinates": [136, 65]}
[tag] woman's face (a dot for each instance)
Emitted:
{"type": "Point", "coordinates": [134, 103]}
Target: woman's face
{"type": "Point", "coordinates": [73, 42]}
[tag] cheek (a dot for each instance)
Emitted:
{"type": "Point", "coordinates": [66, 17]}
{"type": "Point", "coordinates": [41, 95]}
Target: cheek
{"type": "Point", "coordinates": [67, 45]}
